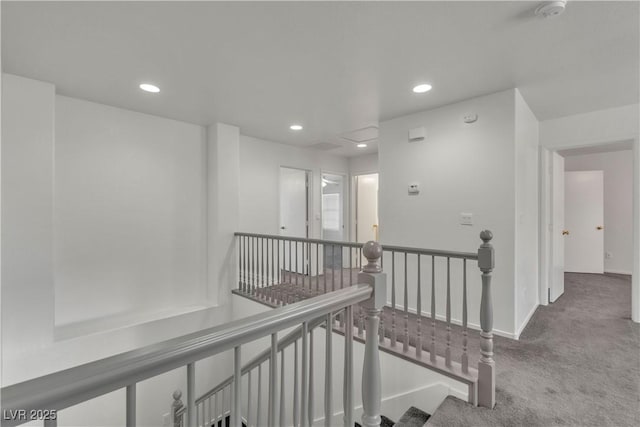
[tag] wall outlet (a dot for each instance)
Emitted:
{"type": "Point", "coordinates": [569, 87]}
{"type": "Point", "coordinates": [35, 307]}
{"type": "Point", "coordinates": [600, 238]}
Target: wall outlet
{"type": "Point", "coordinates": [466, 219]}
{"type": "Point", "coordinates": [413, 189]}
{"type": "Point", "coordinates": [608, 255]}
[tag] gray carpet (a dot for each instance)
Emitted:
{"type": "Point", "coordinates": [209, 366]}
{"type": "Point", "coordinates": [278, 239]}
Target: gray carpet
{"type": "Point", "coordinates": [413, 417]}
{"type": "Point", "coordinates": [577, 364]}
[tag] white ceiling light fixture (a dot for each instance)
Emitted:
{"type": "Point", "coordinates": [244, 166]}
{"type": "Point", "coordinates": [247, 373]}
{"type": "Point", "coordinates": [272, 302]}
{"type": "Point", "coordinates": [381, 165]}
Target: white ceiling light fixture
{"type": "Point", "coordinates": [361, 145]}
{"type": "Point", "coordinates": [295, 127]}
{"type": "Point", "coordinates": [148, 87]}
{"type": "Point", "coordinates": [422, 88]}
{"type": "Point", "coordinates": [550, 9]}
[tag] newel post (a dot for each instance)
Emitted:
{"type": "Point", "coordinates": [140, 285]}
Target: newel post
{"type": "Point", "coordinates": [371, 379]}
{"type": "Point", "coordinates": [177, 409]}
{"type": "Point", "coordinates": [486, 366]}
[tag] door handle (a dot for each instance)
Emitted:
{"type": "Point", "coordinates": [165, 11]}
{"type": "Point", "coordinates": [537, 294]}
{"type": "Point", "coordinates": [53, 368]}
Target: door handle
{"type": "Point", "coordinates": [565, 232]}
{"type": "Point", "coordinates": [599, 227]}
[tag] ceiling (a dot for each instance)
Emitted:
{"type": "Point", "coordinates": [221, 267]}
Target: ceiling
{"type": "Point", "coordinates": [333, 67]}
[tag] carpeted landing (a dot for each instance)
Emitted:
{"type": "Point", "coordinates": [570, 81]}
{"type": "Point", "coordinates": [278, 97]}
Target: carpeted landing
{"type": "Point", "coordinates": [577, 363]}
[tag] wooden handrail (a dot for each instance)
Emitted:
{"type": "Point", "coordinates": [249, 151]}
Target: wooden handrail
{"type": "Point", "coordinates": [75, 385]}
{"type": "Point", "coordinates": [387, 248]}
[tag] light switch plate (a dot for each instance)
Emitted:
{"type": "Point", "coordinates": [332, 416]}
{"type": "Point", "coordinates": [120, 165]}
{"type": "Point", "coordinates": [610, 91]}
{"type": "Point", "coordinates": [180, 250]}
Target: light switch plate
{"type": "Point", "coordinates": [413, 190]}
{"type": "Point", "coordinates": [466, 219]}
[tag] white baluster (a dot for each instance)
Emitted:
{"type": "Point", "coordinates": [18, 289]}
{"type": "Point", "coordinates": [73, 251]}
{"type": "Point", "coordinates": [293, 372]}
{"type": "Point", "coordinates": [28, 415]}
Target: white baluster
{"type": "Point", "coordinates": [447, 355]}
{"type": "Point", "coordinates": [191, 394]}
{"type": "Point", "coordinates": [432, 355]}
{"type": "Point", "coordinates": [273, 381]}
{"type": "Point", "coordinates": [419, 317]}
{"type": "Point", "coordinates": [347, 395]}
{"type": "Point", "coordinates": [282, 399]}
{"type": "Point", "coordinates": [305, 375]}
{"type": "Point", "coordinates": [259, 403]}
{"type": "Point", "coordinates": [216, 400]}
{"type": "Point", "coordinates": [405, 342]}
{"type": "Point", "coordinates": [249, 399]}
{"type": "Point", "coordinates": [465, 356]}
{"type": "Point", "coordinates": [328, 372]}
{"type": "Point", "coordinates": [393, 299]}
{"type": "Point", "coordinates": [236, 397]}
{"type": "Point", "coordinates": [131, 405]}
{"type": "Point", "coordinates": [311, 393]}
{"type": "Point", "coordinates": [296, 398]}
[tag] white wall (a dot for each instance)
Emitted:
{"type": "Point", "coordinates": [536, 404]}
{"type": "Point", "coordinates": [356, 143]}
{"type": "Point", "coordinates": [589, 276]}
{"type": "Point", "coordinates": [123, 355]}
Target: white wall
{"type": "Point", "coordinates": [360, 165]}
{"type": "Point", "coordinates": [260, 162]}
{"type": "Point", "coordinates": [133, 176]}
{"type": "Point", "coordinates": [27, 215]}
{"type": "Point", "coordinates": [526, 256]}
{"type": "Point", "coordinates": [618, 203]}
{"type": "Point", "coordinates": [596, 127]}
{"type": "Point", "coordinates": [460, 168]}
{"type": "Point", "coordinates": [129, 212]}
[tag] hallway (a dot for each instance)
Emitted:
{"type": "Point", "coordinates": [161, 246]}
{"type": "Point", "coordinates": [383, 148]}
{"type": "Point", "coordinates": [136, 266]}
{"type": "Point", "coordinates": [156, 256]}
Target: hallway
{"type": "Point", "coordinates": [577, 363]}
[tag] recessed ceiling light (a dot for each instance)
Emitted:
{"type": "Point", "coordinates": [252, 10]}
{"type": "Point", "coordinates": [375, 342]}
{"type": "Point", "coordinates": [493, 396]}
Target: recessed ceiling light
{"type": "Point", "coordinates": [422, 88]}
{"type": "Point", "coordinates": [295, 127]}
{"type": "Point", "coordinates": [361, 145]}
{"type": "Point", "coordinates": [149, 88]}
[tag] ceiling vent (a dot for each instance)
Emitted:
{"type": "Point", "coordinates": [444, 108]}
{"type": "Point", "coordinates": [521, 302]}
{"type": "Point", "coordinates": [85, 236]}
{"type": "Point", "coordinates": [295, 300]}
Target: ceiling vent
{"type": "Point", "coordinates": [366, 134]}
{"type": "Point", "coordinates": [549, 9]}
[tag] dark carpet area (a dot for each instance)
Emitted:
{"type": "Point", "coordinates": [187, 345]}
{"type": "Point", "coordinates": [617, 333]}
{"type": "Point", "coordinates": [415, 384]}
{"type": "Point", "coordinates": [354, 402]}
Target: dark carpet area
{"type": "Point", "coordinates": [577, 363]}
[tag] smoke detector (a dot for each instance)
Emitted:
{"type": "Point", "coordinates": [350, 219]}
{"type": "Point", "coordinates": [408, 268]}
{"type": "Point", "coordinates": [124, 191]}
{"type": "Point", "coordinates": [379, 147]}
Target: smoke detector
{"type": "Point", "coordinates": [549, 9]}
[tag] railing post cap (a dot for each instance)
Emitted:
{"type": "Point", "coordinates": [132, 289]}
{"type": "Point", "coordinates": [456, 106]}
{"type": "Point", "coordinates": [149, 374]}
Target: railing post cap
{"type": "Point", "coordinates": [177, 395]}
{"type": "Point", "coordinates": [486, 236]}
{"type": "Point", "coordinates": [372, 251]}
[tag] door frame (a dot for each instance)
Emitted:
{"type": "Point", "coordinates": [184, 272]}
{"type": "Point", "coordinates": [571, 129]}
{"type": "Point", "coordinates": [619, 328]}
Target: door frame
{"type": "Point", "coordinates": [309, 179]}
{"type": "Point", "coordinates": [546, 244]}
{"type": "Point", "coordinates": [346, 232]}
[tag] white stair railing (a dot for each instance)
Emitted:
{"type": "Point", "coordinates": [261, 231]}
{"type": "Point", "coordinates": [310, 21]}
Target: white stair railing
{"type": "Point", "coordinates": [300, 410]}
{"type": "Point", "coordinates": [60, 390]}
{"type": "Point", "coordinates": [423, 283]}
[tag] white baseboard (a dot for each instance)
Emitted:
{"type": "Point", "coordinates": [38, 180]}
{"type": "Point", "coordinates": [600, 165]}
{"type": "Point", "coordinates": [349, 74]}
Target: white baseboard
{"type": "Point", "coordinates": [526, 321]}
{"type": "Point", "coordinates": [457, 322]}
{"type": "Point", "coordinates": [625, 272]}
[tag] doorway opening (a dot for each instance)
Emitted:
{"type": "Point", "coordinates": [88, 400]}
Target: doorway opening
{"type": "Point", "coordinates": [333, 213]}
{"type": "Point", "coordinates": [294, 213]}
{"type": "Point", "coordinates": [588, 206]}
{"type": "Point", "coordinates": [366, 224]}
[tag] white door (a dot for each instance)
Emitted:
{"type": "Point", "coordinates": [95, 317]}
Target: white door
{"type": "Point", "coordinates": [367, 207]}
{"type": "Point", "coordinates": [293, 202]}
{"type": "Point", "coordinates": [556, 282]}
{"type": "Point", "coordinates": [583, 220]}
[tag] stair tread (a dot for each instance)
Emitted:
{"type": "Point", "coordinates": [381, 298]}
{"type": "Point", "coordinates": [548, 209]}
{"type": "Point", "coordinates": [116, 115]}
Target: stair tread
{"type": "Point", "coordinates": [413, 417]}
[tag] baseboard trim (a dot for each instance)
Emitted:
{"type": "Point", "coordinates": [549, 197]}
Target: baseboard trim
{"type": "Point", "coordinates": [624, 272]}
{"type": "Point", "coordinates": [526, 321]}
{"type": "Point", "coordinates": [457, 322]}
